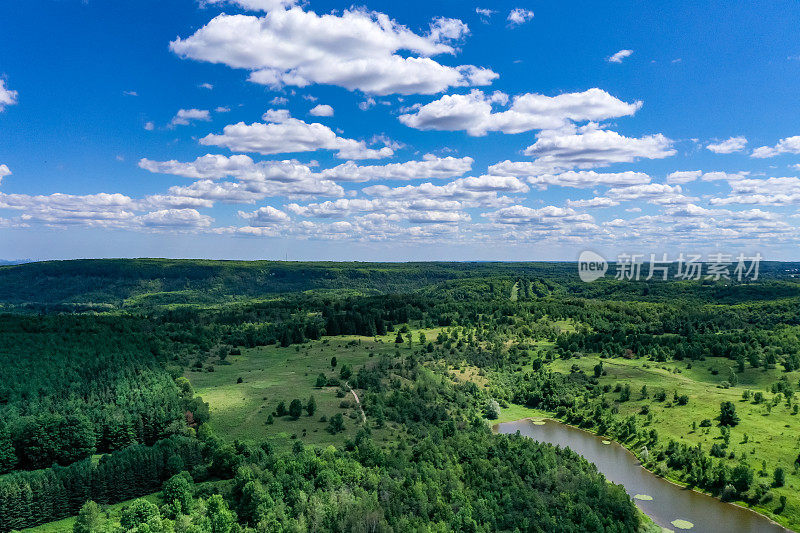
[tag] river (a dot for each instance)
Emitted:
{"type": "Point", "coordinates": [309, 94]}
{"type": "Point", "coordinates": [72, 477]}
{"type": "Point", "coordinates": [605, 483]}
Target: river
{"type": "Point", "coordinates": [669, 502]}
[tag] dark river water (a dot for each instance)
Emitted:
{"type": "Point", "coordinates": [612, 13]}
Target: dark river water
{"type": "Point", "coordinates": [669, 502]}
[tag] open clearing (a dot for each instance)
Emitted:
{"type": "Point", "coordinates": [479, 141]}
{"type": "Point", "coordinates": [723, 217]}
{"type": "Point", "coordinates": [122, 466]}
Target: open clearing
{"type": "Point", "coordinates": [272, 374]}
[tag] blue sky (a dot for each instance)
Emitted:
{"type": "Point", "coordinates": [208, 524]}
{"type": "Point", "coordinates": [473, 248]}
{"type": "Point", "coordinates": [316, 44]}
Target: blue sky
{"type": "Point", "coordinates": [398, 130]}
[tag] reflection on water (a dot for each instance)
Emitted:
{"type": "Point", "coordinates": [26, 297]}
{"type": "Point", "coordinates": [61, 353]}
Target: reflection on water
{"type": "Point", "coordinates": [669, 505]}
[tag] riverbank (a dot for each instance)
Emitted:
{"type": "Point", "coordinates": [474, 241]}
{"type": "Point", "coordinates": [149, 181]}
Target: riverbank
{"type": "Point", "coordinates": [628, 470]}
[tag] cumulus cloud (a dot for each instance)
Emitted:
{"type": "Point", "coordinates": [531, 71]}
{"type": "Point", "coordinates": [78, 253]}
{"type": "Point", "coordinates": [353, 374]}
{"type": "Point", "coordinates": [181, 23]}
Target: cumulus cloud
{"type": "Point", "coordinates": [588, 178]}
{"type": "Point", "coordinates": [591, 146]}
{"type": "Point", "coordinates": [4, 171]}
{"type": "Point", "coordinates": [519, 16]}
{"type": "Point", "coordinates": [789, 145]}
{"type": "Point", "coordinates": [357, 50]}
{"type": "Point", "coordinates": [431, 167]}
{"type": "Point", "coordinates": [683, 176]}
{"type": "Point", "coordinates": [474, 112]}
{"type": "Point", "coordinates": [265, 217]}
{"type": "Point", "coordinates": [619, 56]}
{"type": "Point", "coordinates": [656, 193]}
{"type": "Point", "coordinates": [485, 12]}
{"type": "Point", "coordinates": [321, 110]}
{"type": "Point", "coordinates": [66, 209]}
{"type": "Point", "coordinates": [242, 167]}
{"type": "Point", "coordinates": [184, 117]}
{"type": "Point", "coordinates": [770, 191]}
{"type": "Point", "coordinates": [253, 191]}
{"type": "Point", "coordinates": [284, 134]}
{"type": "Point", "coordinates": [425, 211]}
{"type": "Point", "coordinates": [175, 218]}
{"type": "Point", "coordinates": [211, 166]}
{"type": "Point", "coordinates": [728, 146]}
{"type": "Point", "coordinates": [687, 176]}
{"type": "Point", "coordinates": [470, 191]}
{"type": "Point", "coordinates": [7, 96]}
{"type": "Point", "coordinates": [548, 216]}
{"type": "Point", "coordinates": [597, 202]}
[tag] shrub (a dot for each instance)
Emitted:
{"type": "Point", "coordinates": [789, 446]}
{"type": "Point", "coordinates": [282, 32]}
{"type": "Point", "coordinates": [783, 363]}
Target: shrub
{"type": "Point", "coordinates": [492, 410]}
{"type": "Point", "coordinates": [295, 409]}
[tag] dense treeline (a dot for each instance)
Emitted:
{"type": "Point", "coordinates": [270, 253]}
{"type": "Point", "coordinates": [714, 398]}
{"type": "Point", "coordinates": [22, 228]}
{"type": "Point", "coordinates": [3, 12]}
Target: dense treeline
{"type": "Point", "coordinates": [75, 385]}
{"type": "Point", "coordinates": [103, 284]}
{"type": "Point", "coordinates": [31, 498]}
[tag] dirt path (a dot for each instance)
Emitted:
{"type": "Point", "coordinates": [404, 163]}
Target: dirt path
{"type": "Point", "coordinates": [358, 402]}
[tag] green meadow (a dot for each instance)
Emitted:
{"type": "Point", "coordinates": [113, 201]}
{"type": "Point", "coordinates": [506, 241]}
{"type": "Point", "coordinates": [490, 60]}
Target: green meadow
{"type": "Point", "coordinates": [273, 374]}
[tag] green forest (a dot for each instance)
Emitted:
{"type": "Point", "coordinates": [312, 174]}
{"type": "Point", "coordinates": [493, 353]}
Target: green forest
{"type": "Point", "coordinates": [220, 396]}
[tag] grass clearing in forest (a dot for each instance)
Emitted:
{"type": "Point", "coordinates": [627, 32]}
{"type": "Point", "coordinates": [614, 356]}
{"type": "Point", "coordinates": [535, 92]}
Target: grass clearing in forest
{"type": "Point", "coordinates": [271, 374]}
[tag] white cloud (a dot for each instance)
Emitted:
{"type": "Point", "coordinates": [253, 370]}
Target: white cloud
{"type": "Point", "coordinates": [789, 145]}
{"type": "Point", "coordinates": [471, 191]}
{"type": "Point", "coordinates": [519, 16]}
{"type": "Point", "coordinates": [485, 12]}
{"type": "Point", "coordinates": [684, 176]}
{"type": "Point", "coordinates": [474, 113]}
{"type": "Point", "coordinates": [66, 209]}
{"type": "Point", "coordinates": [242, 167]}
{"type": "Point", "coordinates": [424, 211]}
{"type": "Point", "coordinates": [283, 134]}
{"type": "Point", "coordinates": [366, 104]}
{"type": "Point", "coordinates": [728, 146]}
{"type": "Point", "coordinates": [357, 50]}
{"type": "Point", "coordinates": [590, 146]}
{"type": "Point", "coordinates": [7, 96]}
{"type": "Point", "coordinates": [175, 218]}
{"type": "Point", "coordinates": [446, 29]}
{"type": "Point", "coordinates": [184, 117]}
{"type": "Point", "coordinates": [252, 191]}
{"type": "Point", "coordinates": [321, 110]}
{"type": "Point", "coordinates": [597, 202]}
{"type": "Point", "coordinates": [170, 201]}
{"type": "Point", "coordinates": [619, 56]}
{"type": "Point", "coordinates": [656, 193]}
{"type": "Point", "coordinates": [687, 176]}
{"type": "Point", "coordinates": [548, 216]}
{"type": "Point", "coordinates": [4, 171]}
{"type": "Point", "coordinates": [589, 178]}
{"type": "Point", "coordinates": [279, 101]}
{"type": "Point", "coordinates": [770, 191]}
{"type": "Point", "coordinates": [149, 126]}
{"type": "Point", "coordinates": [206, 86]}
{"type": "Point", "coordinates": [265, 217]}
{"type": "Point", "coordinates": [253, 5]}
{"type": "Point", "coordinates": [431, 167]}
{"type": "Point", "coordinates": [222, 109]}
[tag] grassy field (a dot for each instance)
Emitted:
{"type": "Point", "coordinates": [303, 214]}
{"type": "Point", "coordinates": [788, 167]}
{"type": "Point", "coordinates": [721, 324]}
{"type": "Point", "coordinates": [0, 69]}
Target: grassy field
{"type": "Point", "coordinates": [273, 374]}
{"type": "Point", "coordinates": [772, 436]}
